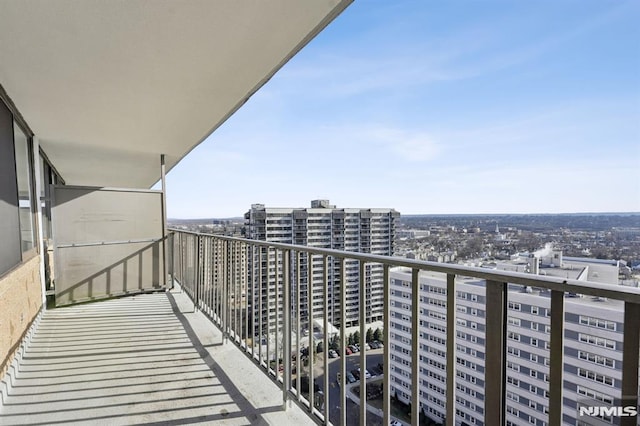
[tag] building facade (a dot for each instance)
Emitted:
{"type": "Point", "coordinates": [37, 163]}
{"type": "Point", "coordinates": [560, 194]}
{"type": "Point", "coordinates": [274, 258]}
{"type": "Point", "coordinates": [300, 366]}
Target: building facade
{"type": "Point", "coordinates": [324, 226]}
{"type": "Point", "coordinates": [592, 355]}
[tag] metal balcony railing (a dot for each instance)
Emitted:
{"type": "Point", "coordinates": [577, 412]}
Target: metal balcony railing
{"type": "Point", "coordinates": [225, 278]}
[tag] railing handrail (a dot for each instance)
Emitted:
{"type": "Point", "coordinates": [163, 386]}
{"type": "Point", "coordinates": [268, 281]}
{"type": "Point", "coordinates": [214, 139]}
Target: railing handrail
{"type": "Point", "coordinates": [611, 291]}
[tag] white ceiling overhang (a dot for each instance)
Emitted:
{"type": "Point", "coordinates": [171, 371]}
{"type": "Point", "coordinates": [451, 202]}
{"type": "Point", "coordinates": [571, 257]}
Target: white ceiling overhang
{"type": "Point", "coordinates": [109, 86]}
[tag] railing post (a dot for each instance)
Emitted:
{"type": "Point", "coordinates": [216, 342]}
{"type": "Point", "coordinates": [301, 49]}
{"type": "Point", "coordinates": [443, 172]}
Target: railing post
{"type": "Point", "coordinates": [215, 280]}
{"type": "Point", "coordinates": [286, 339]}
{"type": "Point", "coordinates": [224, 302]}
{"type": "Point", "coordinates": [269, 310]}
{"type": "Point", "coordinates": [172, 252]}
{"type": "Point", "coordinates": [630, 353]}
{"type": "Point", "coordinates": [343, 344]}
{"type": "Point", "coordinates": [196, 269]}
{"type": "Point", "coordinates": [312, 346]}
{"type": "Point", "coordinates": [325, 326]}
{"type": "Point", "coordinates": [556, 357]}
{"type": "Point", "coordinates": [212, 277]}
{"type": "Point", "coordinates": [415, 346]}
{"type": "Point", "coordinates": [363, 356]}
{"type": "Point", "coordinates": [233, 312]}
{"type": "Point", "coordinates": [495, 353]}
{"type": "Point", "coordinates": [451, 350]}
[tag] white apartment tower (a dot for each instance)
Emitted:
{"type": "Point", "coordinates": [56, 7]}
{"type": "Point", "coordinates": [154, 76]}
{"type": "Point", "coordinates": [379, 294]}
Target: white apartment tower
{"type": "Point", "coordinates": [325, 226]}
{"type": "Point", "coordinates": [593, 345]}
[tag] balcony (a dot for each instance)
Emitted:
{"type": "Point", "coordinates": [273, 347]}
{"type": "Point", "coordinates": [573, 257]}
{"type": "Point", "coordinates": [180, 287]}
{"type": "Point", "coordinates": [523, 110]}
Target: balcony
{"type": "Point", "coordinates": [197, 335]}
{"type": "Point", "coordinates": [286, 330]}
{"type": "Point", "coordinates": [191, 355]}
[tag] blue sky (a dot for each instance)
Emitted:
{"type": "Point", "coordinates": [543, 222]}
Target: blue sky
{"type": "Point", "coordinates": [438, 107]}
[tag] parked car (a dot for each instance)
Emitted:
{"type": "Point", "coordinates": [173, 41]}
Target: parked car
{"type": "Point", "coordinates": [333, 354]}
{"type": "Point", "coordinates": [347, 351]}
{"type": "Point", "coordinates": [367, 374]}
{"type": "Point", "coordinates": [356, 374]}
{"type": "Point", "coordinates": [351, 378]}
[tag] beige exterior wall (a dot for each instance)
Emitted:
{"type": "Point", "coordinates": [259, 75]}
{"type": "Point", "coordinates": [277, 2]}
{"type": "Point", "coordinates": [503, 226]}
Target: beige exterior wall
{"type": "Point", "coordinates": [20, 302]}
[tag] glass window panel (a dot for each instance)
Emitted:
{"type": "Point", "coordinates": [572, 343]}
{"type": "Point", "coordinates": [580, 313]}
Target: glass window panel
{"type": "Point", "coordinates": [24, 188]}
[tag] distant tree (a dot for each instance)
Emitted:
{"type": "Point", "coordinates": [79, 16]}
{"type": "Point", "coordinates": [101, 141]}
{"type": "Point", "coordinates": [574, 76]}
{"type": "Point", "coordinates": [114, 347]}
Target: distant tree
{"type": "Point", "coordinates": [350, 339]}
{"type": "Point", "coordinates": [377, 335]}
{"type": "Point", "coordinates": [320, 347]}
{"type": "Point", "coordinates": [369, 336]}
{"type": "Point", "coordinates": [356, 337]}
{"type": "Point", "coordinates": [333, 343]}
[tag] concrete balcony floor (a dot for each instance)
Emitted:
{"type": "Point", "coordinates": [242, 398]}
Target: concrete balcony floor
{"type": "Point", "coordinates": [140, 360]}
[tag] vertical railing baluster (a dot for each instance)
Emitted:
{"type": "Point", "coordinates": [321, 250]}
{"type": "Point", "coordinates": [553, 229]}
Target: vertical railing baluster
{"type": "Point", "coordinates": [193, 263]}
{"type": "Point", "coordinates": [415, 346]}
{"type": "Point", "coordinates": [214, 272]}
{"type": "Point", "coordinates": [630, 354]}
{"type": "Point", "coordinates": [495, 353]}
{"type": "Point", "coordinates": [451, 350]}
{"type": "Point", "coordinates": [312, 347]}
{"type": "Point", "coordinates": [286, 333]}
{"type": "Point", "coordinates": [325, 326]}
{"type": "Point", "coordinates": [203, 274]}
{"type": "Point", "coordinates": [556, 357]}
{"type": "Point", "coordinates": [386, 378]}
{"type": "Point", "coordinates": [229, 289]}
{"type": "Point", "coordinates": [198, 274]}
{"type": "Point", "coordinates": [181, 260]}
{"type": "Point", "coordinates": [363, 355]}
{"type": "Point", "coordinates": [221, 280]}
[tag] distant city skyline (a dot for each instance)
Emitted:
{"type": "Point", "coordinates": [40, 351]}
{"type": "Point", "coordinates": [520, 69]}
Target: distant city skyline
{"type": "Point", "coordinates": [438, 108]}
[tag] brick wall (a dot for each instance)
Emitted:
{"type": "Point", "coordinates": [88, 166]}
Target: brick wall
{"type": "Point", "coordinates": [20, 302]}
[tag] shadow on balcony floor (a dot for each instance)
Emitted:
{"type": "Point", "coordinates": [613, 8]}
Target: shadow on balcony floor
{"type": "Point", "coordinates": [144, 360]}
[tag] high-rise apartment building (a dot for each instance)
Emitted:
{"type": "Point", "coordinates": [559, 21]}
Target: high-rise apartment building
{"type": "Point", "coordinates": [325, 226]}
{"type": "Point", "coordinates": [592, 348]}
